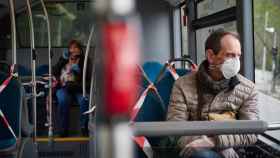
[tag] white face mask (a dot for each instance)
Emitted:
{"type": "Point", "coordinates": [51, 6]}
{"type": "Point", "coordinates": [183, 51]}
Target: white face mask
{"type": "Point", "coordinates": [230, 67]}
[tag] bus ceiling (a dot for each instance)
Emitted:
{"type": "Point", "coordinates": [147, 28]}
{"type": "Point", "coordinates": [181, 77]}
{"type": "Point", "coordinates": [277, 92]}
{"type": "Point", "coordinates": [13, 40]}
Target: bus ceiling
{"type": "Point", "coordinates": [21, 6]}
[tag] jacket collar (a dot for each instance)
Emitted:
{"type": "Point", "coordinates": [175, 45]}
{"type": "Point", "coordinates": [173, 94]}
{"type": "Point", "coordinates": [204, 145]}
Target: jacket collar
{"type": "Point", "coordinates": [208, 85]}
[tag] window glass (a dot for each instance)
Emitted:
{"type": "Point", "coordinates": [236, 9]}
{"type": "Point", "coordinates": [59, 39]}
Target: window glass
{"type": "Point", "coordinates": [68, 20]}
{"type": "Point", "coordinates": [267, 70]}
{"type": "Point", "coordinates": [202, 34]}
{"type": "Point", "coordinates": [208, 7]}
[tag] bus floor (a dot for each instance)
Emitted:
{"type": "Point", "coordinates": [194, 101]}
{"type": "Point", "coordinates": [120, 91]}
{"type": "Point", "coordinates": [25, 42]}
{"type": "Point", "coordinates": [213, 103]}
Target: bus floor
{"type": "Point", "coordinates": [71, 147]}
{"type": "Point", "coordinates": [74, 127]}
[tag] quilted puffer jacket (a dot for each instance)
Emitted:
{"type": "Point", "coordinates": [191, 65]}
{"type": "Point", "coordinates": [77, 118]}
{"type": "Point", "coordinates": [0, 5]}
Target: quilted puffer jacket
{"type": "Point", "coordinates": [239, 98]}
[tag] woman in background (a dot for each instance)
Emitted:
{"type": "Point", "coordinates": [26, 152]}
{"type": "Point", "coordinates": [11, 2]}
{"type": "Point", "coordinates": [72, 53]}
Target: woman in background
{"type": "Point", "coordinates": [68, 72]}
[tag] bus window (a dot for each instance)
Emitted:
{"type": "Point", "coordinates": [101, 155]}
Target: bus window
{"type": "Point", "coordinates": [202, 34]}
{"type": "Point", "coordinates": [267, 74]}
{"type": "Point", "coordinates": [208, 7]}
{"type": "Point", "coordinates": [22, 24]}
{"type": "Point", "coordinates": [68, 20]}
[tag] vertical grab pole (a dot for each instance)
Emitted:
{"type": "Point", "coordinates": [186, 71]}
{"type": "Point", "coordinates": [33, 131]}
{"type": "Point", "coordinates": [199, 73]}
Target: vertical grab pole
{"type": "Point", "coordinates": [13, 28]}
{"type": "Point", "coordinates": [120, 50]}
{"type": "Point", "coordinates": [92, 85]}
{"type": "Point", "coordinates": [33, 67]}
{"type": "Point", "coordinates": [86, 61]}
{"type": "Point", "coordinates": [50, 133]}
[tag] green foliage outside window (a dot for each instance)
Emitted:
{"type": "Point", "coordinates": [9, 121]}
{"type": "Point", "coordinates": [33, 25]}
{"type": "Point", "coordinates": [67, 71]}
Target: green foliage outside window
{"type": "Point", "coordinates": [263, 37]}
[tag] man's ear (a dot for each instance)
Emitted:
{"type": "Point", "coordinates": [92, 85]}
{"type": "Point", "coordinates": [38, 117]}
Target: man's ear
{"type": "Point", "coordinates": [210, 55]}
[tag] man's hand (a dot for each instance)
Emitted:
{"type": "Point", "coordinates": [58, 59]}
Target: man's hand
{"type": "Point", "coordinates": [201, 143]}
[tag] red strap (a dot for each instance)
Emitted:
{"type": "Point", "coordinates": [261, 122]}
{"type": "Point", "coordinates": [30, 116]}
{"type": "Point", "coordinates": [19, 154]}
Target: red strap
{"type": "Point", "coordinates": [2, 87]}
{"type": "Point", "coordinates": [7, 124]}
{"type": "Point", "coordinates": [172, 71]}
{"type": "Point", "coordinates": [139, 103]}
{"type": "Point", "coordinates": [143, 143]}
{"type": "Point", "coordinates": [8, 79]}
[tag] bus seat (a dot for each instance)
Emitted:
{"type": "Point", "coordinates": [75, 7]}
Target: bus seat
{"type": "Point", "coordinates": [165, 85]}
{"type": "Point", "coordinates": [23, 71]}
{"type": "Point", "coordinates": [152, 110]}
{"type": "Point", "coordinates": [152, 69]}
{"type": "Point", "coordinates": [42, 70]}
{"type": "Point", "coordinates": [10, 104]}
{"type": "Point", "coordinates": [26, 126]}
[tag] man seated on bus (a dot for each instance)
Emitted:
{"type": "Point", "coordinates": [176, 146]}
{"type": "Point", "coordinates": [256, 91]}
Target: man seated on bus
{"type": "Point", "coordinates": [68, 72]}
{"type": "Point", "coordinates": [215, 92]}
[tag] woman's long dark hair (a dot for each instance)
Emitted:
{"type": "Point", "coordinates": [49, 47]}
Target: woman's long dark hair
{"type": "Point", "coordinates": [78, 45]}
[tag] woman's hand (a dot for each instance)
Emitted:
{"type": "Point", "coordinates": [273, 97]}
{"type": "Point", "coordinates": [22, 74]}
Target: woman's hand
{"type": "Point", "coordinates": [75, 67]}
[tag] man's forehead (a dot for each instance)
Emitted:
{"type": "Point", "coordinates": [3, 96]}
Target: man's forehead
{"type": "Point", "coordinates": [230, 45]}
{"type": "Point", "coordinates": [229, 40]}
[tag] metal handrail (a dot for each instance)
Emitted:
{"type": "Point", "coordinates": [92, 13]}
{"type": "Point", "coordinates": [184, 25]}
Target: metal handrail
{"type": "Point", "coordinates": [33, 66]}
{"type": "Point", "coordinates": [86, 60]}
{"type": "Point", "coordinates": [273, 126]}
{"type": "Point", "coordinates": [50, 133]}
{"type": "Point", "coordinates": [169, 62]}
{"type": "Point", "coordinates": [187, 128]}
{"type": "Point", "coordinates": [181, 60]}
{"type": "Point", "coordinates": [13, 28]}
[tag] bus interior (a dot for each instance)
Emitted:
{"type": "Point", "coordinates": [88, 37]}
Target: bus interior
{"type": "Point", "coordinates": [146, 44]}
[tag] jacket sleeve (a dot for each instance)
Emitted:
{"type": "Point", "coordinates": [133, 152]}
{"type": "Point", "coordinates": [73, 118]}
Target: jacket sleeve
{"type": "Point", "coordinates": [75, 86]}
{"type": "Point", "coordinates": [177, 111]}
{"type": "Point", "coordinates": [248, 111]}
{"type": "Point", "coordinates": [58, 66]}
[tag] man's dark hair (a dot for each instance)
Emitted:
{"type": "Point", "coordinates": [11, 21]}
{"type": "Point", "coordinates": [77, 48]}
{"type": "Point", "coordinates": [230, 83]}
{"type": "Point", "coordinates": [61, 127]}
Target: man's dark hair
{"type": "Point", "coordinates": [214, 40]}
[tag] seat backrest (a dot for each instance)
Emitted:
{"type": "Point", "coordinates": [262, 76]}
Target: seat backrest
{"type": "Point", "coordinates": [23, 71]}
{"type": "Point", "coordinates": [152, 109]}
{"type": "Point", "coordinates": [152, 69]}
{"type": "Point", "coordinates": [165, 85]}
{"type": "Point", "coordinates": [42, 70]}
{"type": "Point", "coordinates": [10, 104]}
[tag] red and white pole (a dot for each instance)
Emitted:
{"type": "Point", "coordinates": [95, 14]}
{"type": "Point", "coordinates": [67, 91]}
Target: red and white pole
{"type": "Point", "coordinates": [120, 49]}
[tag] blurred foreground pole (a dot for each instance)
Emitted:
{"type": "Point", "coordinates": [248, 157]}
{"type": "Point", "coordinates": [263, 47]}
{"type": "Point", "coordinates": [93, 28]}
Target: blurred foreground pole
{"type": "Point", "coordinates": [119, 50]}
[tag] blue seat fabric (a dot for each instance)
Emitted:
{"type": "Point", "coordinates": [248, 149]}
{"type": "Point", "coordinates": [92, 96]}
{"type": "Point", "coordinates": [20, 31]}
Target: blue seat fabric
{"type": "Point", "coordinates": [42, 70]}
{"type": "Point", "coordinates": [152, 109]}
{"type": "Point", "coordinates": [23, 71]}
{"type": "Point", "coordinates": [152, 69]}
{"type": "Point", "coordinates": [10, 102]}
